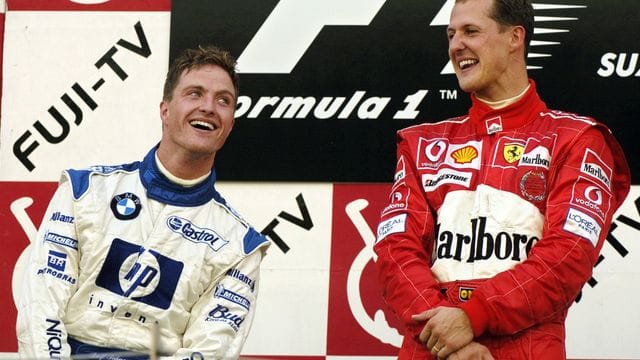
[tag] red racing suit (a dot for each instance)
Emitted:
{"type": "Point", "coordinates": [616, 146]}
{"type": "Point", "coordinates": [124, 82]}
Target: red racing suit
{"type": "Point", "coordinates": [503, 214]}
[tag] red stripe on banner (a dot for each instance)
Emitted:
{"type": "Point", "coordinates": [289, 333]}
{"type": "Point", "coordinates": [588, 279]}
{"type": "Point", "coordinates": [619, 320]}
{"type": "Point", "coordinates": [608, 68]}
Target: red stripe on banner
{"type": "Point", "coordinates": [22, 206]}
{"type": "Point", "coordinates": [355, 295]}
{"type": "Point", "coordinates": [1, 47]}
{"type": "Point", "coordinates": [89, 5]}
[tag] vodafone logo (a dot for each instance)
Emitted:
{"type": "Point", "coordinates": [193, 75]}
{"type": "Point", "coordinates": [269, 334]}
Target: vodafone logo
{"type": "Point", "coordinates": [591, 197]}
{"type": "Point", "coordinates": [594, 195]}
{"type": "Point", "coordinates": [435, 150]}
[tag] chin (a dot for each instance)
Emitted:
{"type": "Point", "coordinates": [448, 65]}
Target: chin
{"type": "Point", "coordinates": [466, 87]}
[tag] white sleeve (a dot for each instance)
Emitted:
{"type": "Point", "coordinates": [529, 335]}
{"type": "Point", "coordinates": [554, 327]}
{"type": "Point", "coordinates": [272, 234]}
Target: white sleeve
{"type": "Point", "coordinates": [220, 321]}
{"type": "Point", "coordinates": [49, 280]}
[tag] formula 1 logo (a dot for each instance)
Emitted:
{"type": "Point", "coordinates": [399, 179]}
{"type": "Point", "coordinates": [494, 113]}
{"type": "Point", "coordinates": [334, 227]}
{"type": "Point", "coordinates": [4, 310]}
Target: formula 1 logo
{"type": "Point", "coordinates": [298, 23]}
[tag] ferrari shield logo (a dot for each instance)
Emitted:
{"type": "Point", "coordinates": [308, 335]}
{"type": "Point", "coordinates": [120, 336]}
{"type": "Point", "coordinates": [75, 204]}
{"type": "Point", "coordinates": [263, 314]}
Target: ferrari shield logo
{"type": "Point", "coordinates": [512, 152]}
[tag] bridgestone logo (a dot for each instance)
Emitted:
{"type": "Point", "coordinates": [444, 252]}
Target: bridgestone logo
{"type": "Point", "coordinates": [446, 176]}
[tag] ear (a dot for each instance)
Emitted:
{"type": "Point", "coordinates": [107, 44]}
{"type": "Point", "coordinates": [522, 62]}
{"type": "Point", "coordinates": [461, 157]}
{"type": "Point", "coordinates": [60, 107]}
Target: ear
{"type": "Point", "coordinates": [518, 34]}
{"type": "Point", "coordinates": [164, 111]}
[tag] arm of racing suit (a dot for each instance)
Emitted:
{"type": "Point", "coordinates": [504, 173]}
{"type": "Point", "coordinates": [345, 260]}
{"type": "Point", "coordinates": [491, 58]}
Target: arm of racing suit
{"type": "Point", "coordinates": [548, 281]}
{"type": "Point", "coordinates": [49, 281]}
{"type": "Point", "coordinates": [404, 243]}
{"type": "Point", "coordinates": [221, 319]}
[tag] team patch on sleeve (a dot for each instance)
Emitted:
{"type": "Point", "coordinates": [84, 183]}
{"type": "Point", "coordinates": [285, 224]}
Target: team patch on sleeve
{"type": "Point", "coordinates": [596, 169]}
{"type": "Point", "coordinates": [61, 240]}
{"type": "Point", "coordinates": [392, 225]}
{"type": "Point", "coordinates": [591, 197]}
{"type": "Point", "coordinates": [400, 173]}
{"type": "Point", "coordinates": [583, 225]}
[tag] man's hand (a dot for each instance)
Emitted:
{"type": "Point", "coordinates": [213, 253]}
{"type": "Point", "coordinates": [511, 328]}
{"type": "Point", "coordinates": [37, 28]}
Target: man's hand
{"type": "Point", "coordinates": [448, 329]}
{"type": "Point", "coordinates": [472, 351]}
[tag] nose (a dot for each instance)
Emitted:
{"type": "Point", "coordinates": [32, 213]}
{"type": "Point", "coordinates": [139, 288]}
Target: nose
{"type": "Point", "coordinates": [455, 43]}
{"type": "Point", "coordinates": [207, 105]}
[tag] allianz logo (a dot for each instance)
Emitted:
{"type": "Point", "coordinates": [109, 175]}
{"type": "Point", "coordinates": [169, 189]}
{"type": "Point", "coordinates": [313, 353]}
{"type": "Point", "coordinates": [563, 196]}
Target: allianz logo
{"type": "Point", "coordinates": [195, 234]}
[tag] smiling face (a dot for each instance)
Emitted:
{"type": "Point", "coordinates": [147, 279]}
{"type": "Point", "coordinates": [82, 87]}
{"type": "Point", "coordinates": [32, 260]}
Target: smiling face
{"type": "Point", "coordinates": [198, 117]}
{"type": "Point", "coordinates": [487, 57]}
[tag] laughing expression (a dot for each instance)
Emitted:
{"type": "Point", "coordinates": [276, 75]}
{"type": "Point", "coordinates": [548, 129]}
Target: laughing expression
{"type": "Point", "coordinates": [479, 49]}
{"type": "Point", "coordinates": [200, 115]}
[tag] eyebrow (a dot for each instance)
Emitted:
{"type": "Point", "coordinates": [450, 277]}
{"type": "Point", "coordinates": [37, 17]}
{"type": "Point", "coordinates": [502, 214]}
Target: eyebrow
{"type": "Point", "coordinates": [203, 89]}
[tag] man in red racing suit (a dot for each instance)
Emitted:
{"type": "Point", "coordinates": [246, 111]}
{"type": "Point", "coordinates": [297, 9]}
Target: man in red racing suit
{"type": "Point", "coordinates": [495, 219]}
{"type": "Point", "coordinates": [509, 205]}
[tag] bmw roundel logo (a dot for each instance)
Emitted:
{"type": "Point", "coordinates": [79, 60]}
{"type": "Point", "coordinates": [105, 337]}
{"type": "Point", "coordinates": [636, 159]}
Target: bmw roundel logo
{"type": "Point", "coordinates": [125, 206]}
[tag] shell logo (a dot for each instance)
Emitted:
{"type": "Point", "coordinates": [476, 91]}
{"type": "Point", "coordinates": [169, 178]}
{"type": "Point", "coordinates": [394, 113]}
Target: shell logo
{"type": "Point", "coordinates": [465, 155]}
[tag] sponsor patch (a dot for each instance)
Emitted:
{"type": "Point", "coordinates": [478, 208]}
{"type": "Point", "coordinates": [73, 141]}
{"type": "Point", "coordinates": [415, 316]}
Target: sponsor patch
{"type": "Point", "coordinates": [464, 293]}
{"type": "Point", "coordinates": [507, 152]}
{"type": "Point", "coordinates": [223, 314]}
{"type": "Point", "coordinates": [143, 275]}
{"type": "Point", "coordinates": [59, 217]}
{"type": "Point", "coordinates": [533, 185]}
{"type": "Point", "coordinates": [430, 182]}
{"type": "Point", "coordinates": [397, 199]}
{"type": "Point", "coordinates": [400, 171]}
{"type": "Point", "coordinates": [582, 225]}
{"type": "Point", "coordinates": [596, 169]}
{"type": "Point", "coordinates": [57, 260]}
{"type": "Point", "coordinates": [481, 245]}
{"type": "Point", "coordinates": [126, 206]}
{"type": "Point", "coordinates": [196, 234]}
{"type": "Point", "coordinates": [494, 125]}
{"type": "Point", "coordinates": [431, 153]}
{"type": "Point", "coordinates": [591, 197]}
{"type": "Point", "coordinates": [512, 152]}
{"type": "Point", "coordinates": [238, 275]}
{"type": "Point", "coordinates": [222, 293]}
{"type": "Point", "coordinates": [436, 152]}
{"type": "Point", "coordinates": [537, 157]}
{"type": "Point", "coordinates": [56, 264]}
{"type": "Point", "coordinates": [465, 155]}
{"type": "Point", "coordinates": [61, 240]}
{"type": "Point", "coordinates": [393, 225]}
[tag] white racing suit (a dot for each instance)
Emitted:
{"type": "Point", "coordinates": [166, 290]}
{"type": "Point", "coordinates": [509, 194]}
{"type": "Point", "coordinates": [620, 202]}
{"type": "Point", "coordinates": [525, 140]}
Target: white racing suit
{"type": "Point", "coordinates": [122, 251]}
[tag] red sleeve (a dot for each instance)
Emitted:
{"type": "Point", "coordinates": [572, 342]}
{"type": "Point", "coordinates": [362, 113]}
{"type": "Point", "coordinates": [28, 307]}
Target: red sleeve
{"type": "Point", "coordinates": [548, 281]}
{"type": "Point", "coordinates": [404, 243]}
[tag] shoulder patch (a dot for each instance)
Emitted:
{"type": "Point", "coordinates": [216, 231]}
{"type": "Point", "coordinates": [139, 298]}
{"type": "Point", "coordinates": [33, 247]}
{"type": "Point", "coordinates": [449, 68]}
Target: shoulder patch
{"type": "Point", "coordinates": [253, 240]}
{"type": "Point", "coordinates": [81, 179]}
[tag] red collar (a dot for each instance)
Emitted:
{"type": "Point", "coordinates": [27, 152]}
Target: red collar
{"type": "Point", "coordinates": [523, 111]}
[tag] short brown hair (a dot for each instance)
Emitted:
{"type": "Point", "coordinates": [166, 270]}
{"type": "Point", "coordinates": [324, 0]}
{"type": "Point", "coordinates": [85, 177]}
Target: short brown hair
{"type": "Point", "coordinates": [190, 59]}
{"type": "Point", "coordinates": [515, 13]}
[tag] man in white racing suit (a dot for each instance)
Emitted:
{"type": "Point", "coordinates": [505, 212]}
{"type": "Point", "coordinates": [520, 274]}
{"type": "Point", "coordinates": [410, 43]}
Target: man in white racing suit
{"type": "Point", "coordinates": [148, 255]}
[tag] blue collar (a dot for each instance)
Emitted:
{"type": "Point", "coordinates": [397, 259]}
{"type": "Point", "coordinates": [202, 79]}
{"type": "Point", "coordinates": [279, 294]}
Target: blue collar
{"type": "Point", "coordinates": [162, 189]}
